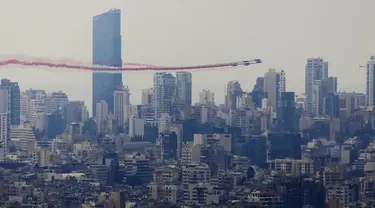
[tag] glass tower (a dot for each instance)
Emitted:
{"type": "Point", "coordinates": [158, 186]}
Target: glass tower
{"type": "Point", "coordinates": [107, 52]}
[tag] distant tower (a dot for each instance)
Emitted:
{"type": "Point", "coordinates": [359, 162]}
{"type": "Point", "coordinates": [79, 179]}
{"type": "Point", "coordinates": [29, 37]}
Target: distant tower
{"type": "Point", "coordinates": [272, 82]}
{"type": "Point", "coordinates": [107, 52]}
{"type": "Point", "coordinates": [316, 69]}
{"type": "Point", "coordinates": [286, 112]}
{"type": "Point", "coordinates": [122, 103]}
{"type": "Point", "coordinates": [282, 82]}
{"type": "Point", "coordinates": [234, 90]}
{"type": "Point", "coordinates": [14, 102]}
{"type": "Point", "coordinates": [184, 87]}
{"type": "Point", "coordinates": [164, 94]}
{"type": "Point", "coordinates": [370, 82]}
{"type": "Point", "coordinates": [54, 101]}
{"type": "Point", "coordinates": [101, 116]}
{"type": "Point", "coordinates": [207, 97]}
{"type": "Point", "coordinates": [147, 97]}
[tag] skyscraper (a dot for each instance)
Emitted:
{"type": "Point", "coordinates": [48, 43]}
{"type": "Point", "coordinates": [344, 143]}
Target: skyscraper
{"type": "Point", "coordinates": [272, 82]}
{"type": "Point", "coordinates": [106, 51]}
{"type": "Point", "coordinates": [101, 116]}
{"type": "Point", "coordinates": [55, 102]}
{"type": "Point", "coordinates": [4, 118]}
{"type": "Point", "coordinates": [4, 131]}
{"type": "Point", "coordinates": [184, 87]}
{"type": "Point", "coordinates": [14, 102]}
{"type": "Point", "coordinates": [370, 82]}
{"type": "Point", "coordinates": [316, 69]}
{"type": "Point", "coordinates": [147, 96]}
{"type": "Point", "coordinates": [207, 97]}
{"type": "Point", "coordinates": [164, 94]}
{"type": "Point", "coordinates": [234, 90]}
{"type": "Point", "coordinates": [282, 82]}
{"type": "Point", "coordinates": [258, 92]}
{"type": "Point", "coordinates": [122, 103]}
{"type": "Point", "coordinates": [286, 112]}
{"type": "Point", "coordinates": [73, 112]}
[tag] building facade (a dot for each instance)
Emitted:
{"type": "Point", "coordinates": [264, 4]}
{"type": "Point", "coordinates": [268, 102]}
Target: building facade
{"type": "Point", "coordinates": [107, 52]}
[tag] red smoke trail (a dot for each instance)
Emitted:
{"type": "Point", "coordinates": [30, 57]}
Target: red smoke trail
{"type": "Point", "coordinates": [140, 67]}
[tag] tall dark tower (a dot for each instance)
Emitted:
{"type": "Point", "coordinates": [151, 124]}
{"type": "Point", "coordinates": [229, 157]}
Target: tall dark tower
{"type": "Point", "coordinates": [286, 112]}
{"type": "Point", "coordinates": [15, 100]}
{"type": "Point", "coordinates": [107, 52]}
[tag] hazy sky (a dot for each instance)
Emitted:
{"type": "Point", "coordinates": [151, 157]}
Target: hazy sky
{"type": "Point", "coordinates": [188, 32]}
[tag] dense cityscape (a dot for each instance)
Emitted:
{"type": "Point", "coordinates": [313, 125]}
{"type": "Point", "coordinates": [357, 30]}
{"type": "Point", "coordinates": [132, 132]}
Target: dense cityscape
{"type": "Point", "coordinates": [263, 147]}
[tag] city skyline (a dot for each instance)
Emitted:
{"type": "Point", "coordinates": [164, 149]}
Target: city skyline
{"type": "Point", "coordinates": [165, 127]}
{"type": "Point", "coordinates": [140, 46]}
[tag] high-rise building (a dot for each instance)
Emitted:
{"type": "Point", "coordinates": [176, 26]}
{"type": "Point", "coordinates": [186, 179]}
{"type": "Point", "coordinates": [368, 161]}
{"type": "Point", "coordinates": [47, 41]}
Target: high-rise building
{"type": "Point", "coordinates": [259, 84]}
{"type": "Point", "coordinates": [36, 108]}
{"type": "Point", "coordinates": [107, 52]}
{"type": "Point", "coordinates": [55, 102]}
{"type": "Point", "coordinates": [317, 98]}
{"type": "Point", "coordinates": [316, 69]}
{"type": "Point", "coordinates": [184, 87]}
{"type": "Point", "coordinates": [272, 82]}
{"type": "Point", "coordinates": [234, 91]}
{"type": "Point", "coordinates": [147, 96]}
{"type": "Point", "coordinates": [370, 82]}
{"type": "Point", "coordinates": [14, 94]}
{"type": "Point", "coordinates": [4, 130]}
{"type": "Point", "coordinates": [101, 116]}
{"type": "Point", "coordinates": [286, 112]}
{"type": "Point", "coordinates": [54, 125]}
{"type": "Point", "coordinates": [73, 112]}
{"type": "Point", "coordinates": [282, 82]}
{"type": "Point", "coordinates": [331, 105]}
{"type": "Point", "coordinates": [257, 94]}
{"type": "Point", "coordinates": [5, 101]}
{"type": "Point", "coordinates": [164, 94]}
{"type": "Point", "coordinates": [207, 97]}
{"type": "Point", "coordinates": [322, 89]}
{"type": "Point", "coordinates": [122, 104]}
{"type": "Point", "coordinates": [329, 85]}
{"type": "Point", "coordinates": [24, 107]}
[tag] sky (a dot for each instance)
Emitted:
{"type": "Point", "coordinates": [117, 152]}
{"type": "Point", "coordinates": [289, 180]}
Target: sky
{"type": "Point", "coordinates": [177, 33]}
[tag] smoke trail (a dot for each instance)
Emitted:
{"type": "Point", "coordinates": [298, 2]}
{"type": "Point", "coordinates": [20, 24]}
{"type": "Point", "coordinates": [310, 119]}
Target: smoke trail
{"type": "Point", "coordinates": [25, 58]}
{"type": "Point", "coordinates": [35, 62]}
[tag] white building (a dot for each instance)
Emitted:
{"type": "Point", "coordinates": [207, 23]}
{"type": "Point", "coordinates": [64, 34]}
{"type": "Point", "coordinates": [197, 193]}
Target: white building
{"type": "Point", "coordinates": [165, 120]}
{"type": "Point", "coordinates": [316, 69]}
{"type": "Point", "coordinates": [4, 127]}
{"type": "Point", "coordinates": [101, 116]}
{"type": "Point", "coordinates": [38, 119]}
{"type": "Point", "coordinates": [293, 167]}
{"type": "Point", "coordinates": [207, 97]}
{"type": "Point", "coordinates": [25, 135]}
{"type": "Point", "coordinates": [195, 173]}
{"type": "Point", "coordinates": [54, 101]}
{"type": "Point", "coordinates": [36, 107]}
{"type": "Point", "coordinates": [121, 105]}
{"type": "Point", "coordinates": [42, 157]}
{"type": "Point", "coordinates": [24, 107]}
{"type": "Point", "coordinates": [272, 85]}
{"type": "Point", "coordinates": [136, 126]}
{"type": "Point", "coordinates": [223, 140]}
{"type": "Point", "coordinates": [147, 96]}
{"type": "Point", "coordinates": [164, 94]}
